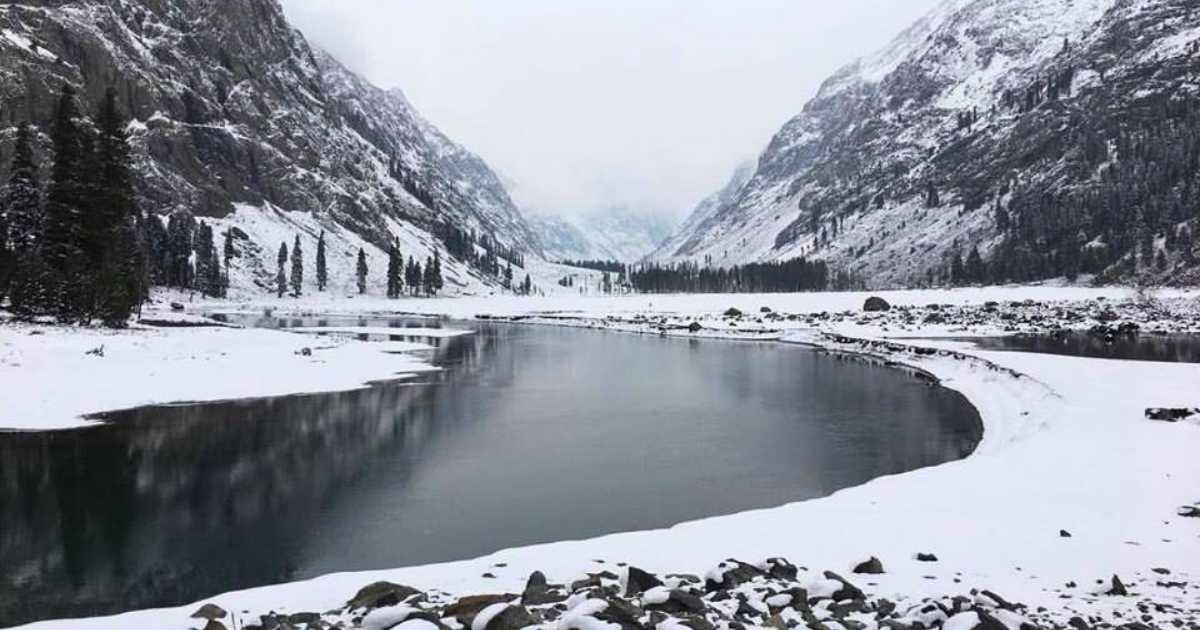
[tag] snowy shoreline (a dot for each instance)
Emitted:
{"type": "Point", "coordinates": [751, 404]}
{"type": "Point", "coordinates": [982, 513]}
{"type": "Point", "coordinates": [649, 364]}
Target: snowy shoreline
{"type": "Point", "coordinates": [1087, 462]}
{"type": "Point", "coordinates": [61, 378]}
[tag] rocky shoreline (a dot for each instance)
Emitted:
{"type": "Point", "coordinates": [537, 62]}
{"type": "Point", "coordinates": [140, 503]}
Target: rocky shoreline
{"type": "Point", "coordinates": [1102, 317]}
{"type": "Point", "coordinates": [734, 595]}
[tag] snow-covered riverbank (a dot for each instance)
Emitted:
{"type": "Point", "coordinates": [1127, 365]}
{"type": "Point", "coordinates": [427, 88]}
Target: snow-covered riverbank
{"type": "Point", "coordinates": [1066, 450]}
{"type": "Point", "coordinates": [54, 376]}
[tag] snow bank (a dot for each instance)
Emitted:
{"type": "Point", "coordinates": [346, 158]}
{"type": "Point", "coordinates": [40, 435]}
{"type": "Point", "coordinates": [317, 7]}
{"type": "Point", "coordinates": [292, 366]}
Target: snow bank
{"type": "Point", "coordinates": [53, 376]}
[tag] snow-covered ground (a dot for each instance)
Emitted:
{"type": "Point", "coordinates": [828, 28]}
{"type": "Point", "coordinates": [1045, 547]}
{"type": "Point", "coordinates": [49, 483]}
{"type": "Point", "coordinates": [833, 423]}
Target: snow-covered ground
{"type": "Point", "coordinates": [54, 376]}
{"type": "Point", "coordinates": [1066, 448]}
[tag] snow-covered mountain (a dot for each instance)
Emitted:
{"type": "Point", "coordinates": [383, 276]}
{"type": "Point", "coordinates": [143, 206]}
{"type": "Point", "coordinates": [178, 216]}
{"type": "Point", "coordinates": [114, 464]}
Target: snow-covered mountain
{"type": "Point", "coordinates": [233, 109]}
{"type": "Point", "coordinates": [617, 233]}
{"type": "Point", "coordinates": [1051, 136]}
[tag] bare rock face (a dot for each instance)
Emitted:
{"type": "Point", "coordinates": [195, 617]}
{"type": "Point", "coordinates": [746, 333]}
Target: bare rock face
{"type": "Point", "coordinates": [231, 105]}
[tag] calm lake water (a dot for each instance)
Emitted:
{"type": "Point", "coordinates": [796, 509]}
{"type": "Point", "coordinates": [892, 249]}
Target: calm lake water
{"type": "Point", "coordinates": [1171, 348]}
{"type": "Point", "coordinates": [531, 434]}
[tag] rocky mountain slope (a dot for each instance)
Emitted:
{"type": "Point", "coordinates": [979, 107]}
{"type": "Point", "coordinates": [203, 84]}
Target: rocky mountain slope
{"type": "Point", "coordinates": [233, 109]}
{"type": "Point", "coordinates": [619, 234]}
{"type": "Point", "coordinates": [994, 140]}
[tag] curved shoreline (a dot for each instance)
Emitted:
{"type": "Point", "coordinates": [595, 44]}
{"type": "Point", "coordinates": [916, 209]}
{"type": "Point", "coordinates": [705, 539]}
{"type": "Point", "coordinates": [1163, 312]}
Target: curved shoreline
{"type": "Point", "coordinates": [1007, 410]}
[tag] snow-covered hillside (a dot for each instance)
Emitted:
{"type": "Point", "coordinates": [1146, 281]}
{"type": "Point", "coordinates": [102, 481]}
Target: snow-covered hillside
{"type": "Point", "coordinates": [1028, 129]}
{"type": "Point", "coordinates": [619, 234]}
{"type": "Point", "coordinates": [232, 109]}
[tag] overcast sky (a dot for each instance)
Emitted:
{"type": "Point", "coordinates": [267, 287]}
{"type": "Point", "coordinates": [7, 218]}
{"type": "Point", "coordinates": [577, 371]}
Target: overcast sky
{"type": "Point", "coordinates": [583, 104]}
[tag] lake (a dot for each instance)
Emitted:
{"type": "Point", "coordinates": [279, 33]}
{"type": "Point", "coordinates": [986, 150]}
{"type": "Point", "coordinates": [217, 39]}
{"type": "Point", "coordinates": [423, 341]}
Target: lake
{"type": "Point", "coordinates": [531, 434]}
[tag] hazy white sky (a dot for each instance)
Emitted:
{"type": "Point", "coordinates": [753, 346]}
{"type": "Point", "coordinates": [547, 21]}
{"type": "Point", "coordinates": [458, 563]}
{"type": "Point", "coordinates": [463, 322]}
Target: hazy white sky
{"type": "Point", "coordinates": [582, 104]}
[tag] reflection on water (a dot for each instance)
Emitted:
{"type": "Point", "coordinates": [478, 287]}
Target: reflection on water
{"type": "Point", "coordinates": [531, 435]}
{"type": "Point", "coordinates": [1172, 348]}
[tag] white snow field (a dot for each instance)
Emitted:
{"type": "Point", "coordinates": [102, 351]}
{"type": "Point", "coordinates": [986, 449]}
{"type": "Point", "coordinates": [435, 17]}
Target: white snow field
{"type": "Point", "coordinates": [1066, 447]}
{"type": "Point", "coordinates": [51, 381]}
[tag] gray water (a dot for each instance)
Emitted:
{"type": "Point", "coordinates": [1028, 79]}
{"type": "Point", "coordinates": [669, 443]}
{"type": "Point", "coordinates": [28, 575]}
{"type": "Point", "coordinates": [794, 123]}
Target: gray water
{"type": "Point", "coordinates": [532, 434]}
{"type": "Point", "coordinates": [1171, 348]}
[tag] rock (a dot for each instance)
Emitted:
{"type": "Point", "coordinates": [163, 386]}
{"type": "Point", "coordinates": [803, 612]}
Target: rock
{"type": "Point", "coordinates": [988, 622]}
{"type": "Point", "coordinates": [1118, 588]}
{"type": "Point", "coordinates": [1062, 533]}
{"type": "Point", "coordinates": [1170, 414]}
{"type": "Point", "coordinates": [176, 306]}
{"type": "Point", "coordinates": [1000, 601]}
{"type": "Point", "coordinates": [209, 611]}
{"type": "Point", "coordinates": [538, 592]}
{"type": "Point", "coordinates": [302, 618]}
{"type": "Point", "coordinates": [926, 557]}
{"type": "Point", "coordinates": [733, 312]}
{"type": "Point", "coordinates": [876, 304]}
{"type": "Point", "coordinates": [733, 573]}
{"type": "Point", "coordinates": [380, 595]}
{"type": "Point", "coordinates": [695, 327]}
{"type": "Point", "coordinates": [871, 567]}
{"type": "Point", "coordinates": [848, 590]}
{"type": "Point", "coordinates": [1188, 511]}
{"type": "Point", "coordinates": [305, 352]}
{"type": "Point", "coordinates": [213, 624]}
{"type": "Point", "coordinates": [781, 569]}
{"type": "Point", "coordinates": [640, 581]}
{"type": "Point", "coordinates": [466, 608]}
{"type": "Point", "coordinates": [511, 618]}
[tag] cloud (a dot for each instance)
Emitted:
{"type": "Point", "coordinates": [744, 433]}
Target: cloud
{"type": "Point", "coordinates": [584, 104]}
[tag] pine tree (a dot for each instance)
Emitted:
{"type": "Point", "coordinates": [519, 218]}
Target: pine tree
{"type": "Point", "coordinates": [297, 268]}
{"type": "Point", "coordinates": [508, 276]}
{"type": "Point", "coordinates": [62, 246]}
{"type": "Point", "coordinates": [28, 280]}
{"type": "Point", "coordinates": [527, 288]}
{"type": "Point", "coordinates": [974, 267]}
{"type": "Point", "coordinates": [395, 266]}
{"type": "Point", "coordinates": [427, 278]}
{"type": "Point", "coordinates": [438, 281]}
{"type": "Point", "coordinates": [230, 253]}
{"type": "Point", "coordinates": [322, 273]}
{"type": "Point", "coordinates": [280, 276]}
{"type": "Point", "coordinates": [361, 271]}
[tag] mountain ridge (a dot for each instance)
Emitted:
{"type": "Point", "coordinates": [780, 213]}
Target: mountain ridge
{"type": "Point", "coordinates": [232, 109]}
{"type": "Point", "coordinates": [952, 139]}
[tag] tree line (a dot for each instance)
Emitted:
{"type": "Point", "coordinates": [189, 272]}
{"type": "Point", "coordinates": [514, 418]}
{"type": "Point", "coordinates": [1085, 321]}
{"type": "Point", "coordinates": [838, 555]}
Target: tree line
{"type": "Point", "coordinates": [75, 250]}
{"type": "Point", "coordinates": [796, 275]}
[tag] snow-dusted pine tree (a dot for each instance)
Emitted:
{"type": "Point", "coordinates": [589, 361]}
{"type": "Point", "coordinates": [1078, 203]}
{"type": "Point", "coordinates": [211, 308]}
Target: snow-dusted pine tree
{"type": "Point", "coordinates": [297, 268]}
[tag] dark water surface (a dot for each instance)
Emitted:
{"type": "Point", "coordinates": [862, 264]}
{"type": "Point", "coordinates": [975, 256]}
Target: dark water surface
{"type": "Point", "coordinates": [1171, 348]}
{"type": "Point", "coordinates": [531, 434]}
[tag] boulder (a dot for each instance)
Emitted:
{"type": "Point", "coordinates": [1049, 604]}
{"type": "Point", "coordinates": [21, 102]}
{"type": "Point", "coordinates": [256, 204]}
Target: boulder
{"type": "Point", "coordinates": [469, 606]}
{"type": "Point", "coordinates": [209, 611]}
{"type": "Point", "coordinates": [380, 595]}
{"type": "Point", "coordinates": [848, 590]}
{"type": "Point", "coordinates": [1118, 588]}
{"type": "Point", "coordinates": [695, 327]}
{"type": "Point", "coordinates": [640, 581]}
{"type": "Point", "coordinates": [781, 569]}
{"type": "Point", "coordinates": [870, 567]}
{"type": "Point", "coordinates": [511, 618]}
{"type": "Point", "coordinates": [876, 304]}
{"type": "Point", "coordinates": [1170, 414]}
{"type": "Point", "coordinates": [926, 557]}
{"type": "Point", "coordinates": [733, 312]}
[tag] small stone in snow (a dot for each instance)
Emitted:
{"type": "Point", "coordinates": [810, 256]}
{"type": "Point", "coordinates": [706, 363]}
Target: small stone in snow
{"type": "Point", "coordinates": [926, 557]}
{"type": "Point", "coordinates": [1062, 533]}
{"type": "Point", "coordinates": [1118, 587]}
{"type": "Point", "coordinates": [871, 567]}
